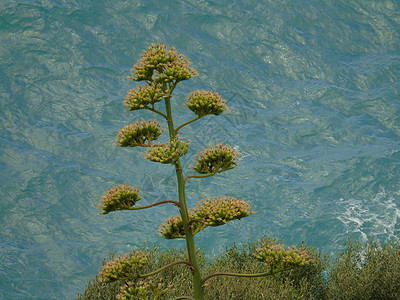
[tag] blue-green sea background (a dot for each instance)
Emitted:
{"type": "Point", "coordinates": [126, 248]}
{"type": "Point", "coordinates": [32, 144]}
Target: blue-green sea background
{"type": "Point", "coordinates": [314, 88]}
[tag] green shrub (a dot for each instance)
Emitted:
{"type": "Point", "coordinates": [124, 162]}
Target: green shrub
{"type": "Point", "coordinates": [366, 271]}
{"type": "Point", "coordinates": [360, 271]}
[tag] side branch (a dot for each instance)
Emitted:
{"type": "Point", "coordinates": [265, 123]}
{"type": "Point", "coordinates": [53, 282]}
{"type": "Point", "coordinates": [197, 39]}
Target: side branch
{"type": "Point", "coordinates": [137, 145]}
{"type": "Point", "coordinates": [196, 221]}
{"type": "Point", "coordinates": [157, 112]}
{"type": "Point", "coordinates": [154, 204]}
{"type": "Point", "coordinates": [166, 267]}
{"type": "Point", "coordinates": [110, 205]}
{"type": "Point", "coordinates": [136, 276]}
{"type": "Point", "coordinates": [187, 123]}
{"type": "Point", "coordinates": [245, 275]}
{"type": "Point", "coordinates": [218, 170]}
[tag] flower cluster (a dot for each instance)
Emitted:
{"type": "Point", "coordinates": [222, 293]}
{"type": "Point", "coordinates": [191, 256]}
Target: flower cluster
{"type": "Point", "coordinates": [167, 154]}
{"type": "Point", "coordinates": [177, 71]}
{"type": "Point", "coordinates": [143, 96]}
{"type": "Point", "coordinates": [123, 267]}
{"type": "Point", "coordinates": [119, 197]}
{"type": "Point", "coordinates": [141, 290]}
{"type": "Point", "coordinates": [276, 257]}
{"type": "Point", "coordinates": [155, 58]}
{"type": "Point", "coordinates": [139, 134]}
{"type": "Point", "coordinates": [208, 212]}
{"type": "Point", "coordinates": [204, 103]}
{"type": "Point", "coordinates": [215, 159]}
{"type": "Point", "coordinates": [173, 228]}
{"type": "Point", "coordinates": [221, 210]}
{"type": "Point", "coordinates": [169, 65]}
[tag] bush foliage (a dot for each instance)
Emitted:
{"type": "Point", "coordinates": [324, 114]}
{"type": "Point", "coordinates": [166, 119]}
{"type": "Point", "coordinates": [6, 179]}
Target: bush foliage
{"type": "Point", "coordinates": [360, 271]}
{"type": "Point", "coordinates": [366, 271]}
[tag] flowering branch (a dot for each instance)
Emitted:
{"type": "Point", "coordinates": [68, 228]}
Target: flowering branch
{"type": "Point", "coordinates": [216, 212]}
{"type": "Point", "coordinates": [129, 267]}
{"type": "Point", "coordinates": [139, 134]}
{"type": "Point", "coordinates": [124, 197]}
{"type": "Point", "coordinates": [211, 159]}
{"type": "Point", "coordinates": [275, 257]}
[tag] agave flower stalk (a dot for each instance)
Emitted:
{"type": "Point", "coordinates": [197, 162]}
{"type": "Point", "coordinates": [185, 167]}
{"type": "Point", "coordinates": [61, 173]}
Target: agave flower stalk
{"type": "Point", "coordinates": [160, 70]}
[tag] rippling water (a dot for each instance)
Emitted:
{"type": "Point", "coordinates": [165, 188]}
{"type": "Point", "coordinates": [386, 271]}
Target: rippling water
{"type": "Point", "coordinates": [314, 88]}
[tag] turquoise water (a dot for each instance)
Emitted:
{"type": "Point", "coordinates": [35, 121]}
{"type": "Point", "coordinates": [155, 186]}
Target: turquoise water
{"type": "Point", "coordinates": [314, 88]}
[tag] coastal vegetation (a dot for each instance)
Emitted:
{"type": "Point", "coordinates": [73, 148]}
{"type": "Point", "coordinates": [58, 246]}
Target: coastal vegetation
{"type": "Point", "coordinates": [367, 271]}
{"type": "Point", "coordinates": [271, 269]}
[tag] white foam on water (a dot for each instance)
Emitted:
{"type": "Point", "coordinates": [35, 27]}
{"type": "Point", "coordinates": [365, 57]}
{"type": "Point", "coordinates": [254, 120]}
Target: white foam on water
{"type": "Point", "coordinates": [377, 217]}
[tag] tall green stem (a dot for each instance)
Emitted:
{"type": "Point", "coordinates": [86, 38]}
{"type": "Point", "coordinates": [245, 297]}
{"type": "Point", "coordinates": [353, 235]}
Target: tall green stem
{"type": "Point", "coordinates": [197, 279]}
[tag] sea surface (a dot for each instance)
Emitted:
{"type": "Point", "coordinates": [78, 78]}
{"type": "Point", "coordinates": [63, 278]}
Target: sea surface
{"type": "Point", "coordinates": [314, 91]}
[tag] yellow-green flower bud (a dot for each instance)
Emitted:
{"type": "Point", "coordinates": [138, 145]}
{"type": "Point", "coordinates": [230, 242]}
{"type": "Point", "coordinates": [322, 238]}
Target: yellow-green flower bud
{"type": "Point", "coordinates": [203, 103]}
{"type": "Point", "coordinates": [123, 267]}
{"type": "Point", "coordinates": [120, 197]}
{"type": "Point", "coordinates": [221, 210]}
{"type": "Point", "coordinates": [276, 257]}
{"type": "Point", "coordinates": [139, 134]}
{"type": "Point", "coordinates": [215, 159]}
{"type": "Point", "coordinates": [167, 153]}
{"type": "Point", "coordinates": [145, 95]}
